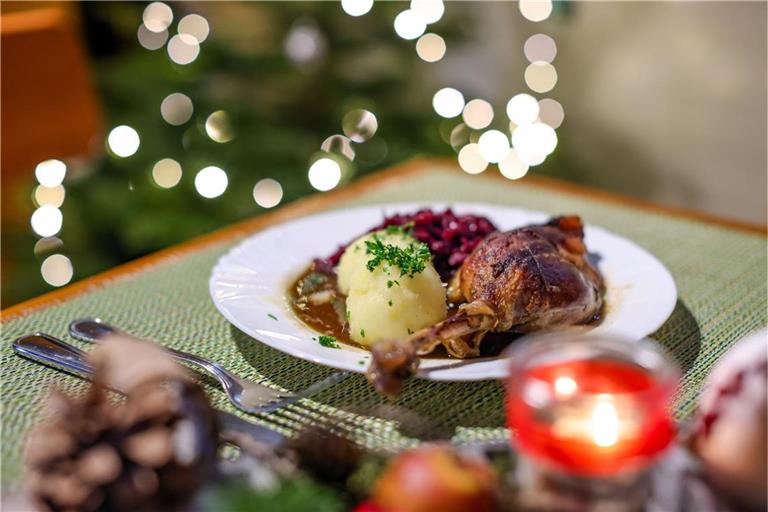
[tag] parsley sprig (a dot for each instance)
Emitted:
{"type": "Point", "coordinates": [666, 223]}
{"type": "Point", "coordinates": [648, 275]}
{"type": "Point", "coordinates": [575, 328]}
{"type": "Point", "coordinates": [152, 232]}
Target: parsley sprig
{"type": "Point", "coordinates": [404, 230]}
{"type": "Point", "coordinates": [411, 259]}
{"type": "Point", "coordinates": [328, 341]}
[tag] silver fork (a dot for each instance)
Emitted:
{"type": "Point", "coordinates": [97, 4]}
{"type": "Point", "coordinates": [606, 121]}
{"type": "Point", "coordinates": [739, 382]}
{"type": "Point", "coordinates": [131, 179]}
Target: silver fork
{"type": "Point", "coordinates": [246, 395]}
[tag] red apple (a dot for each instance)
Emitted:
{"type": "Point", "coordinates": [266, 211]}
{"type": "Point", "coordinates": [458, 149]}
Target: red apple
{"type": "Point", "coordinates": [436, 478]}
{"type": "Point", "coordinates": [732, 434]}
{"type": "Point", "coordinates": [367, 506]}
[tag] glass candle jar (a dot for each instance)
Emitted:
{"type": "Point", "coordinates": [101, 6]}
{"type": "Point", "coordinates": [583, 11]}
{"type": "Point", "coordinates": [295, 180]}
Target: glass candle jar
{"type": "Point", "coordinates": [590, 405]}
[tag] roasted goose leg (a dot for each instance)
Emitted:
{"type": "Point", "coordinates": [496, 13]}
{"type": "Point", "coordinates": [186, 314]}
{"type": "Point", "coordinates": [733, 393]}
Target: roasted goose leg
{"type": "Point", "coordinates": [528, 279]}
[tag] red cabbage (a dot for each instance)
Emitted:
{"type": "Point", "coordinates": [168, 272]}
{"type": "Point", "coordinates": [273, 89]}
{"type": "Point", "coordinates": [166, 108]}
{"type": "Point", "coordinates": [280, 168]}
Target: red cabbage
{"type": "Point", "coordinates": [450, 237]}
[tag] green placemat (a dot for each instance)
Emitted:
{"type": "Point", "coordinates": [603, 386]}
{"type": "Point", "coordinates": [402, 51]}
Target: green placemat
{"type": "Point", "coordinates": [720, 273]}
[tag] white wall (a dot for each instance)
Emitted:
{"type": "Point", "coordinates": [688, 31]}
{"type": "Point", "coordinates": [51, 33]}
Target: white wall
{"type": "Point", "coordinates": [663, 100]}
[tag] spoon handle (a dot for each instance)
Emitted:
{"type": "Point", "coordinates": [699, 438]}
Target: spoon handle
{"type": "Point", "coordinates": [92, 329]}
{"type": "Point", "coordinates": [43, 348]}
{"type": "Point", "coordinates": [53, 352]}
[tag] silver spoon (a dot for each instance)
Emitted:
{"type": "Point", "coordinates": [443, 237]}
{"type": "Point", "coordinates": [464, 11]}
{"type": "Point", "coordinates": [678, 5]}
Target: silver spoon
{"type": "Point", "coordinates": [244, 394]}
{"type": "Point", "coordinates": [44, 348]}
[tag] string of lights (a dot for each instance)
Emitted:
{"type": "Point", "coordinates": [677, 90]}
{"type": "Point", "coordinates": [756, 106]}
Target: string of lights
{"type": "Point", "coordinates": [47, 221]}
{"type": "Point", "coordinates": [477, 137]}
{"type": "Point", "coordinates": [530, 135]}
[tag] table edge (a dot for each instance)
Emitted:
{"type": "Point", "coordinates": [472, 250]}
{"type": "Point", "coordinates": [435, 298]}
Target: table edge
{"type": "Point", "coordinates": [317, 202]}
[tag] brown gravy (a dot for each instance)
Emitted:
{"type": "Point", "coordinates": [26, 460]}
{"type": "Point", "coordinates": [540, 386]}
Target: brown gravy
{"type": "Point", "coordinates": [329, 317]}
{"type": "Point", "coordinates": [326, 317]}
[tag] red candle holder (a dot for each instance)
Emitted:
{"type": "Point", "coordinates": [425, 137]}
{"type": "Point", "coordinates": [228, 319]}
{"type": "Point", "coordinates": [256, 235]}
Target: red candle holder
{"type": "Point", "coordinates": [590, 409]}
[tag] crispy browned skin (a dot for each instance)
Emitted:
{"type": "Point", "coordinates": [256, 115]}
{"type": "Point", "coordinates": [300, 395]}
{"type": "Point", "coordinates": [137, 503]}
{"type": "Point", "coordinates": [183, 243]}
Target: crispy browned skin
{"type": "Point", "coordinates": [534, 277]}
{"type": "Point", "coordinates": [528, 279]}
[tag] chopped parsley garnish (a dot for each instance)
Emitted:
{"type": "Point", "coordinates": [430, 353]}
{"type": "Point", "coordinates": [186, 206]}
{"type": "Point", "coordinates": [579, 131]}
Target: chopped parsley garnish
{"type": "Point", "coordinates": [411, 260]}
{"type": "Point", "coordinates": [390, 303]}
{"type": "Point", "coordinates": [270, 315]}
{"type": "Point", "coordinates": [405, 229]}
{"type": "Point", "coordinates": [391, 283]}
{"type": "Point", "coordinates": [361, 362]}
{"type": "Point", "coordinates": [410, 331]}
{"type": "Point", "coordinates": [362, 333]}
{"type": "Point", "coordinates": [328, 341]}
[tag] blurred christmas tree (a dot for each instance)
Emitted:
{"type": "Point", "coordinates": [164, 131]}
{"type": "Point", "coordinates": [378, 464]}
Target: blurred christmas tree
{"type": "Point", "coordinates": [278, 77]}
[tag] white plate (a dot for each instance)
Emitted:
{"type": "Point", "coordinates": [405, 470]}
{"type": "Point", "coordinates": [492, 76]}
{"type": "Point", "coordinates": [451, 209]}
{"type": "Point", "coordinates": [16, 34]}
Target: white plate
{"type": "Point", "coordinates": [248, 284]}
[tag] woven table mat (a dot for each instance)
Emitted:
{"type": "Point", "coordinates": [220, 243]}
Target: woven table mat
{"type": "Point", "coordinates": [720, 274]}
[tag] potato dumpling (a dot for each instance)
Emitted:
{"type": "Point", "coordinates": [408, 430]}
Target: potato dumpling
{"type": "Point", "coordinates": [382, 303]}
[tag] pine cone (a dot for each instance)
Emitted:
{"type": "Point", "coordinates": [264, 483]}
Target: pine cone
{"type": "Point", "coordinates": [327, 456]}
{"type": "Point", "coordinates": [149, 453]}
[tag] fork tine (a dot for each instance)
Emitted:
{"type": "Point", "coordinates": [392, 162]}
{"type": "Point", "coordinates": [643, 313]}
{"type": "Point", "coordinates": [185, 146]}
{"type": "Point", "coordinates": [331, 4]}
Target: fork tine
{"type": "Point", "coordinates": [314, 388]}
{"type": "Point", "coordinates": [331, 421]}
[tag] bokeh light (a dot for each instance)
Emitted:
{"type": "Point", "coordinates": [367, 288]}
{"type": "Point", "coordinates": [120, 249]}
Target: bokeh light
{"type": "Point", "coordinates": [46, 220]}
{"type": "Point", "coordinates": [157, 16]}
{"type": "Point", "coordinates": [459, 136]}
{"type": "Point", "coordinates": [359, 125]}
{"type": "Point", "coordinates": [470, 159]}
{"type": "Point", "coordinates": [50, 173]}
{"type": "Point", "coordinates": [540, 76]}
{"type": "Point", "coordinates": [523, 109]}
{"type": "Point", "coordinates": [195, 26]}
{"type": "Point", "coordinates": [166, 173]}
{"type": "Point", "coordinates": [47, 244]}
{"type": "Point", "coordinates": [324, 174]}
{"type": "Point", "coordinates": [339, 145]}
{"type": "Point", "coordinates": [304, 43]}
{"type": "Point", "coordinates": [267, 193]}
{"type": "Point", "coordinates": [540, 47]}
{"type": "Point", "coordinates": [512, 167]}
{"type": "Point", "coordinates": [493, 146]}
{"type": "Point", "coordinates": [430, 11]}
{"type": "Point", "coordinates": [409, 25]}
{"type": "Point", "coordinates": [533, 142]}
{"type": "Point", "coordinates": [57, 270]}
{"type": "Point", "coordinates": [211, 182]}
{"type": "Point", "coordinates": [356, 7]}
{"type": "Point", "coordinates": [218, 127]}
{"type": "Point", "coordinates": [551, 112]}
{"type": "Point", "coordinates": [448, 102]}
{"type": "Point", "coordinates": [176, 108]}
{"type": "Point", "coordinates": [535, 10]}
{"type": "Point", "coordinates": [53, 196]}
{"type": "Point", "coordinates": [123, 141]}
{"type": "Point", "coordinates": [430, 47]}
{"type": "Point", "coordinates": [183, 49]}
{"type": "Point", "coordinates": [478, 114]}
{"type": "Point", "coordinates": [151, 40]}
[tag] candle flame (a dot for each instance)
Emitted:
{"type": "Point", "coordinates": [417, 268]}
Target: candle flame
{"type": "Point", "coordinates": [565, 386]}
{"type": "Point", "coordinates": [604, 423]}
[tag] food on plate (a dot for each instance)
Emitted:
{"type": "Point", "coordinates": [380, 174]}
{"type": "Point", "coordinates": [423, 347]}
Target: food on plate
{"type": "Point", "coordinates": [450, 237]}
{"type": "Point", "coordinates": [528, 279]}
{"type": "Point", "coordinates": [386, 291]}
{"type": "Point", "coordinates": [318, 296]}
{"type": "Point", "coordinates": [391, 286]}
